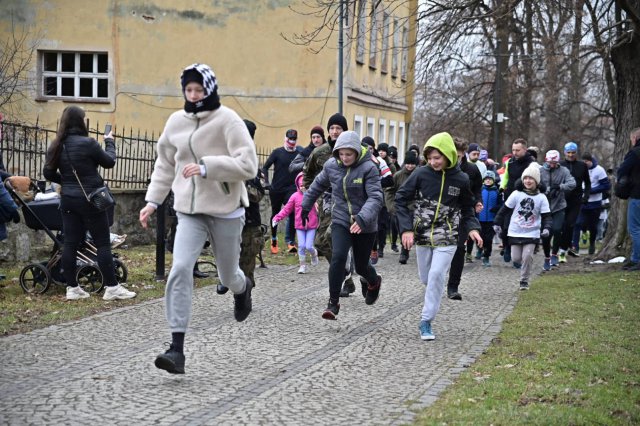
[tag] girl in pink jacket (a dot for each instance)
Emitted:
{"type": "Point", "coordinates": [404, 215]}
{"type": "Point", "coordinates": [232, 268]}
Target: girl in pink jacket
{"type": "Point", "coordinates": [305, 233]}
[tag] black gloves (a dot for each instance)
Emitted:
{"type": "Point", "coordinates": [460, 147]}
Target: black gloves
{"type": "Point", "coordinates": [304, 215]}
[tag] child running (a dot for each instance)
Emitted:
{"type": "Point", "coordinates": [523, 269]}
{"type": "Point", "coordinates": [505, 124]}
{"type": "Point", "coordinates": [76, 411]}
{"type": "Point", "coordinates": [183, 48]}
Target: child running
{"type": "Point", "coordinates": [445, 200]}
{"type": "Point", "coordinates": [357, 199]}
{"type": "Point", "coordinates": [305, 232]}
{"type": "Point", "coordinates": [528, 210]}
{"type": "Point", "coordinates": [492, 203]}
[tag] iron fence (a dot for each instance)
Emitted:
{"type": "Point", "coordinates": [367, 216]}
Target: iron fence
{"type": "Point", "coordinates": [24, 148]}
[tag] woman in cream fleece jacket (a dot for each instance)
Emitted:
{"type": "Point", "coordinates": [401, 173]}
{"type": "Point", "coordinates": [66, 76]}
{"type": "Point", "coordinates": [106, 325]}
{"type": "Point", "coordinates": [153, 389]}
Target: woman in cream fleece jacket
{"type": "Point", "coordinates": [205, 154]}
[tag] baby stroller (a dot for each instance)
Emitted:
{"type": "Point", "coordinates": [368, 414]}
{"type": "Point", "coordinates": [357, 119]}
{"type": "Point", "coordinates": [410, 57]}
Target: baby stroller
{"type": "Point", "coordinates": [45, 215]}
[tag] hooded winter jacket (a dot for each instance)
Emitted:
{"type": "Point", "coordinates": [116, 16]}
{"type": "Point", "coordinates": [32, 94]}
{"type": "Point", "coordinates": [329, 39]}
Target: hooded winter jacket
{"type": "Point", "coordinates": [356, 190]}
{"type": "Point", "coordinates": [295, 205]}
{"type": "Point", "coordinates": [443, 200]}
{"type": "Point", "coordinates": [558, 182]}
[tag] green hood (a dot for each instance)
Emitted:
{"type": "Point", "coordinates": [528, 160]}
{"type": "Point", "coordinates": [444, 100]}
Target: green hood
{"type": "Point", "coordinates": [443, 142]}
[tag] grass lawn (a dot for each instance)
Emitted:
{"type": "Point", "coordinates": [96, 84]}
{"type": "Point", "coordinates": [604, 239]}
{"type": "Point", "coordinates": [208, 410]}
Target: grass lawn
{"type": "Point", "coordinates": [20, 312]}
{"type": "Point", "coordinates": [569, 354]}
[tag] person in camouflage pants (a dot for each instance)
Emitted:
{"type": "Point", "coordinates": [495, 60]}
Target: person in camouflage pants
{"type": "Point", "coordinates": [253, 231]}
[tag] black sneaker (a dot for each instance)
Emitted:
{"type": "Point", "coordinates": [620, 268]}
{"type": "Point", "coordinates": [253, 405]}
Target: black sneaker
{"type": "Point", "coordinates": [199, 274]}
{"type": "Point", "coordinates": [347, 288]}
{"type": "Point", "coordinates": [592, 249]}
{"type": "Point", "coordinates": [220, 289]}
{"type": "Point", "coordinates": [454, 295]}
{"type": "Point", "coordinates": [332, 310]}
{"type": "Point", "coordinates": [394, 248]}
{"type": "Point", "coordinates": [242, 302]}
{"type": "Point", "coordinates": [171, 361]}
{"type": "Point", "coordinates": [404, 256]}
{"type": "Point", "coordinates": [373, 291]}
{"type": "Point", "coordinates": [573, 252]}
{"type": "Point", "coordinates": [364, 286]}
{"type": "Point", "coordinates": [524, 285]}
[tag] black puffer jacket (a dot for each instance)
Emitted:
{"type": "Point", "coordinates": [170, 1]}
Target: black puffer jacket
{"type": "Point", "coordinates": [86, 154]}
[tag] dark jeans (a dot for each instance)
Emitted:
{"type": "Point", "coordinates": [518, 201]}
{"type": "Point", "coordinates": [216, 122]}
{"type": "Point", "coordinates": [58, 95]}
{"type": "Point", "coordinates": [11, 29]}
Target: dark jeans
{"type": "Point", "coordinates": [455, 272]}
{"type": "Point", "coordinates": [78, 217]}
{"type": "Point", "coordinates": [381, 238]}
{"type": "Point", "coordinates": [279, 199]}
{"type": "Point", "coordinates": [341, 241]}
{"type": "Point", "coordinates": [556, 234]}
{"type": "Point", "coordinates": [571, 213]}
{"type": "Point", "coordinates": [487, 233]}
{"type": "Point", "coordinates": [394, 228]}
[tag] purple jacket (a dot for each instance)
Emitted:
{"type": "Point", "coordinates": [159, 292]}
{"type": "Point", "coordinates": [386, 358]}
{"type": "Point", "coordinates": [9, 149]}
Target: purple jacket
{"type": "Point", "coordinates": [295, 204]}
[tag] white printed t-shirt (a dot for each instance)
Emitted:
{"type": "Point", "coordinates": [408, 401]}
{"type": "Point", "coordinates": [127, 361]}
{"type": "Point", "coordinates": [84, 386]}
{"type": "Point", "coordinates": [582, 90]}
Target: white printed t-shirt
{"type": "Point", "coordinates": [526, 219]}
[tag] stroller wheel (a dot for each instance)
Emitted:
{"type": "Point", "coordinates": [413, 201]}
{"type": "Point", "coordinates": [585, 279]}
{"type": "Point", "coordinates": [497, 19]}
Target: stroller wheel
{"type": "Point", "coordinates": [90, 278]}
{"type": "Point", "coordinates": [122, 273]}
{"type": "Point", "coordinates": [35, 278]}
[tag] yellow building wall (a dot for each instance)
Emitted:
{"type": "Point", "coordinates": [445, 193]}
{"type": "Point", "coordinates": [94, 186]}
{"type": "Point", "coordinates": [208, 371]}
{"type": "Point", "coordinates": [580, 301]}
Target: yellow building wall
{"type": "Point", "coordinates": [262, 76]}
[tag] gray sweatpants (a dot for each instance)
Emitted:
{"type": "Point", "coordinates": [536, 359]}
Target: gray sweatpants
{"type": "Point", "coordinates": [523, 254]}
{"type": "Point", "coordinates": [191, 234]}
{"type": "Point", "coordinates": [433, 266]}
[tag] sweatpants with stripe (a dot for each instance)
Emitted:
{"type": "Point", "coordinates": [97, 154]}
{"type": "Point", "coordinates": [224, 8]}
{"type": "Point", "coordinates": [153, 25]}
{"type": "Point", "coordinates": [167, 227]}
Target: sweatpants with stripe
{"type": "Point", "coordinates": [193, 230]}
{"type": "Point", "coordinates": [433, 266]}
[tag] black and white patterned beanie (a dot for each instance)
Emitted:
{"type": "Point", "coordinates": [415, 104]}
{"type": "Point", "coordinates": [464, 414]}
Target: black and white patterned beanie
{"type": "Point", "coordinates": [202, 74]}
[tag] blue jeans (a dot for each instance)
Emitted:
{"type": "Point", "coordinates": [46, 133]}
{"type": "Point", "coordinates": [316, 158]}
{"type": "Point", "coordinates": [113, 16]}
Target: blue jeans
{"type": "Point", "coordinates": [633, 226]}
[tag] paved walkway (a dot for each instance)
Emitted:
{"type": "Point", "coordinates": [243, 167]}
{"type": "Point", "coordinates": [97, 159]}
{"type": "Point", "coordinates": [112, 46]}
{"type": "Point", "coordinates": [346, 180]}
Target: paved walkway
{"type": "Point", "coordinates": [283, 365]}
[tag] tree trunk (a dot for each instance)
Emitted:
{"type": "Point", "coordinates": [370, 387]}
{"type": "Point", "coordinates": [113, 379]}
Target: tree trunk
{"type": "Point", "coordinates": [626, 62]}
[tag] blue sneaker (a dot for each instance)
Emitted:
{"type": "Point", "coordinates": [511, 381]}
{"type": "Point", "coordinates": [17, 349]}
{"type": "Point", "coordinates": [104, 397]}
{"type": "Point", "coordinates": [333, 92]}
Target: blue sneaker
{"type": "Point", "coordinates": [554, 260]}
{"type": "Point", "coordinates": [486, 261]}
{"type": "Point", "coordinates": [547, 264]}
{"type": "Point", "coordinates": [425, 331]}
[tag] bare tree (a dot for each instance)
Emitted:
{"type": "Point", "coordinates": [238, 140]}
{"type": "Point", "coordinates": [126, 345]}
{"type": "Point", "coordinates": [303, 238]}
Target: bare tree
{"type": "Point", "coordinates": [16, 54]}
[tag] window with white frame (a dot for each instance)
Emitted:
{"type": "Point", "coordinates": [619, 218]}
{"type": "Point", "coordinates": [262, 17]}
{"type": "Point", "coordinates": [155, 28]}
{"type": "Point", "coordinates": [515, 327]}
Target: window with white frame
{"type": "Point", "coordinates": [384, 60]}
{"type": "Point", "coordinates": [401, 138]}
{"type": "Point", "coordinates": [373, 36]}
{"type": "Point", "coordinates": [405, 52]}
{"type": "Point", "coordinates": [357, 125]}
{"type": "Point", "coordinates": [392, 133]}
{"type": "Point", "coordinates": [371, 129]}
{"type": "Point", "coordinates": [77, 75]}
{"type": "Point", "coordinates": [396, 47]}
{"type": "Point", "coordinates": [362, 29]}
{"type": "Point", "coordinates": [382, 131]}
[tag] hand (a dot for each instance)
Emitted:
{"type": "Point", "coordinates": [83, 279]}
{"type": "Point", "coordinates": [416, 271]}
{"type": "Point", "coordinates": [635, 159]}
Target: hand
{"type": "Point", "coordinates": [355, 228]}
{"type": "Point", "coordinates": [545, 233]}
{"type": "Point", "coordinates": [304, 215]}
{"type": "Point", "coordinates": [479, 207]}
{"type": "Point", "coordinates": [475, 236]}
{"type": "Point", "coordinates": [407, 240]}
{"type": "Point", "coordinates": [497, 229]}
{"type": "Point", "coordinates": [109, 136]}
{"type": "Point", "coordinates": [145, 213]}
{"type": "Point", "coordinates": [191, 169]}
{"type": "Point", "coordinates": [274, 223]}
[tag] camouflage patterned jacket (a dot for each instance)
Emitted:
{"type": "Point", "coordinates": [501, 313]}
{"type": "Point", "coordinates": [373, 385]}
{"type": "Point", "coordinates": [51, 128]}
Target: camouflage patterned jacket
{"type": "Point", "coordinates": [443, 200]}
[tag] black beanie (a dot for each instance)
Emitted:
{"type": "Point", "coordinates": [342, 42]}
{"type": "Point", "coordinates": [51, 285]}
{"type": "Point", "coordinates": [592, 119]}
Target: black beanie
{"type": "Point", "coordinates": [338, 119]}
{"type": "Point", "coordinates": [369, 141]}
{"type": "Point", "coordinates": [383, 147]}
{"type": "Point", "coordinates": [191, 75]}
{"type": "Point", "coordinates": [251, 127]}
{"type": "Point", "coordinates": [410, 157]}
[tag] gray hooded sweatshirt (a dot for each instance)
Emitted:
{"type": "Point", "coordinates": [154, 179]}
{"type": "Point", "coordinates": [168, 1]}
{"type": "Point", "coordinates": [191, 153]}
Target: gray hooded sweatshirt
{"type": "Point", "coordinates": [357, 193]}
{"type": "Point", "coordinates": [558, 182]}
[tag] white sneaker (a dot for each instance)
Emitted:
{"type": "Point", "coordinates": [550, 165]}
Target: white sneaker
{"type": "Point", "coordinates": [117, 292]}
{"type": "Point", "coordinates": [75, 293]}
{"type": "Point", "coordinates": [303, 269]}
{"type": "Point", "coordinates": [314, 258]}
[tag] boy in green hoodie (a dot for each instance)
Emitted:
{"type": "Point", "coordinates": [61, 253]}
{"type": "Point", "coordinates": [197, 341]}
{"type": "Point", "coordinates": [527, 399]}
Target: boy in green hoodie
{"type": "Point", "coordinates": [445, 201]}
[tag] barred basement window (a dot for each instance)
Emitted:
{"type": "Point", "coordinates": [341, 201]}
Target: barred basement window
{"type": "Point", "coordinates": [77, 75]}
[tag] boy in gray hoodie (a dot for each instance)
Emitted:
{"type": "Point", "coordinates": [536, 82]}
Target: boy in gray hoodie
{"type": "Point", "coordinates": [357, 200]}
